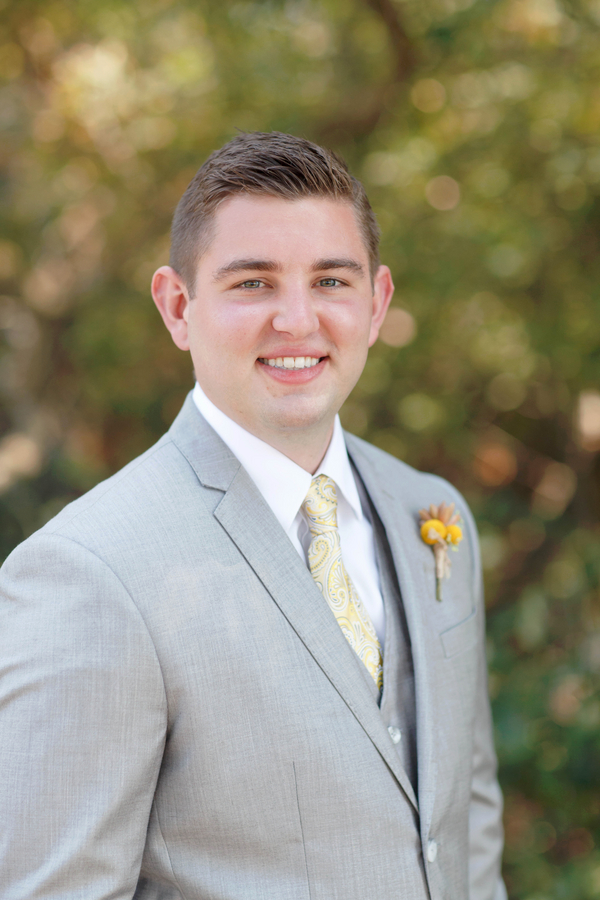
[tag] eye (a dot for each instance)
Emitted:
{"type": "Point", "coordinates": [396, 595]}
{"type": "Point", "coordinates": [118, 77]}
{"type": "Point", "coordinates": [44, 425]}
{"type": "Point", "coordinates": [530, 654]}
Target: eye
{"type": "Point", "coordinates": [329, 282]}
{"type": "Point", "coordinates": [252, 284]}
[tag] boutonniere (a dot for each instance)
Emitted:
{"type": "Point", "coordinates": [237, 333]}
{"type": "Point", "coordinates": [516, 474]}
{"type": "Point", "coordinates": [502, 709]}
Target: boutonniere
{"type": "Point", "coordinates": [440, 529]}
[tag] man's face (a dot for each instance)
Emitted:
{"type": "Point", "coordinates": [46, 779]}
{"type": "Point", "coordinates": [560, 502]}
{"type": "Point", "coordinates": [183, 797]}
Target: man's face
{"type": "Point", "coordinates": [283, 312]}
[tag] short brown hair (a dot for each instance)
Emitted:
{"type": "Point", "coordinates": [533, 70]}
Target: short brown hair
{"type": "Point", "coordinates": [276, 164]}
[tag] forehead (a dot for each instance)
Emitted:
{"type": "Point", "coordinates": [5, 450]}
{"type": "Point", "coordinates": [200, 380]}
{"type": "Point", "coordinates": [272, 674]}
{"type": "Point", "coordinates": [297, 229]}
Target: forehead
{"type": "Point", "coordinates": [261, 226]}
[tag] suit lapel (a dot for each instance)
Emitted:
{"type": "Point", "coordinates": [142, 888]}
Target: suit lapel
{"type": "Point", "coordinates": [254, 529]}
{"type": "Point", "coordinates": [407, 552]}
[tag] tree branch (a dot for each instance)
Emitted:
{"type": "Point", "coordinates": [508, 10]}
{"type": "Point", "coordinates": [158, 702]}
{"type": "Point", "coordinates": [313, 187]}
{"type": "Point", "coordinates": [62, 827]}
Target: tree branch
{"type": "Point", "coordinates": [360, 119]}
{"type": "Point", "coordinates": [404, 51]}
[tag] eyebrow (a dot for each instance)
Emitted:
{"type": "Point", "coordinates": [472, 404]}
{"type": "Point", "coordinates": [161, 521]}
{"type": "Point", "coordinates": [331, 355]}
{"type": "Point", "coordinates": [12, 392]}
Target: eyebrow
{"type": "Point", "coordinates": [246, 265]}
{"type": "Point", "coordinates": [343, 263]}
{"type": "Point", "coordinates": [269, 265]}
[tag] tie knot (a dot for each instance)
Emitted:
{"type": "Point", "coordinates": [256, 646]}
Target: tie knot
{"type": "Point", "coordinates": [320, 504]}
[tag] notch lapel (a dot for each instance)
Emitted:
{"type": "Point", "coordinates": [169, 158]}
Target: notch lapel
{"type": "Point", "coordinates": [254, 529]}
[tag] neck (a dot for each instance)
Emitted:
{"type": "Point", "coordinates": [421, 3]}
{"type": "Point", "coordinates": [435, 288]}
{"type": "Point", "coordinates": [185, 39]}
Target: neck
{"type": "Point", "coordinates": [305, 445]}
{"type": "Point", "coordinates": [306, 450]}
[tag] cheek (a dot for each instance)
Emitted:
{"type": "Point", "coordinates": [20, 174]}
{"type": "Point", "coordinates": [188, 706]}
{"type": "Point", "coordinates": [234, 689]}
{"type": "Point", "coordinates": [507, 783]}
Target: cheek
{"type": "Point", "coordinates": [239, 325]}
{"type": "Point", "coordinates": [351, 330]}
{"type": "Point", "coordinates": [226, 332]}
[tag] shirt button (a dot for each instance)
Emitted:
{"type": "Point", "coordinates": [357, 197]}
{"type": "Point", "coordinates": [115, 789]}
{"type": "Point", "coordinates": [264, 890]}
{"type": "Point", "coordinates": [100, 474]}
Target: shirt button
{"type": "Point", "coordinates": [431, 851]}
{"type": "Point", "coordinates": [395, 734]}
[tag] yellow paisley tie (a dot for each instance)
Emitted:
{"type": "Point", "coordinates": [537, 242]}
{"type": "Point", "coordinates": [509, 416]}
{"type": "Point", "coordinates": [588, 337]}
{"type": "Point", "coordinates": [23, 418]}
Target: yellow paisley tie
{"type": "Point", "coordinates": [329, 572]}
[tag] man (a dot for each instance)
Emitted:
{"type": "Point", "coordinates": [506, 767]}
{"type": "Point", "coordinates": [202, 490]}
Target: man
{"type": "Point", "coordinates": [225, 672]}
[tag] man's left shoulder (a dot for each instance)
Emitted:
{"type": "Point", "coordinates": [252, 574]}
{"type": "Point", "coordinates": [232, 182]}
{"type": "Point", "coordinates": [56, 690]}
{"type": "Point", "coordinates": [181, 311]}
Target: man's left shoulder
{"type": "Point", "coordinates": [394, 483]}
{"type": "Point", "coordinates": [416, 487]}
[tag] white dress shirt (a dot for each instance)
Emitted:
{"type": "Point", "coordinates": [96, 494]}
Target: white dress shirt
{"type": "Point", "coordinates": [284, 485]}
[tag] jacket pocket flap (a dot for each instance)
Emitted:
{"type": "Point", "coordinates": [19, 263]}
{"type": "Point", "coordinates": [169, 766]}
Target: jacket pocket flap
{"type": "Point", "coordinates": [460, 637]}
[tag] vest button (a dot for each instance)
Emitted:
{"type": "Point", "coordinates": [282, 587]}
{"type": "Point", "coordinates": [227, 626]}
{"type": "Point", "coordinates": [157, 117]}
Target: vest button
{"type": "Point", "coordinates": [395, 734]}
{"type": "Point", "coordinates": [431, 851]}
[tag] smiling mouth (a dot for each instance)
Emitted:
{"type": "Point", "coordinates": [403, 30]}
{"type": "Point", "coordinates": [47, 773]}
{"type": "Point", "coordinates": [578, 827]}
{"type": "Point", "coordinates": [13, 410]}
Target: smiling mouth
{"type": "Point", "coordinates": [292, 362]}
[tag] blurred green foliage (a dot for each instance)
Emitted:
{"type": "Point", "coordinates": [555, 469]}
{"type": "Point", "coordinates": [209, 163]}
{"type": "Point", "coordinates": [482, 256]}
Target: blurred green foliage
{"type": "Point", "coordinates": [475, 126]}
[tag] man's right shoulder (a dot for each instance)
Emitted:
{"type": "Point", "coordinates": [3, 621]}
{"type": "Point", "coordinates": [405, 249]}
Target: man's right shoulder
{"type": "Point", "coordinates": [135, 502]}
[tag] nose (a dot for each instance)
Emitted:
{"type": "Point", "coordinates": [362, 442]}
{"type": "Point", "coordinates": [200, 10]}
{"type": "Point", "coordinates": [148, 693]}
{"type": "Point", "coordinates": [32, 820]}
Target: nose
{"type": "Point", "coordinates": [296, 314]}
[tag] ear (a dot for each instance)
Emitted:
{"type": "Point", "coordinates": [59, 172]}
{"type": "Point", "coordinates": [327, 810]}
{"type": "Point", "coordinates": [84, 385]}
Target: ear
{"type": "Point", "coordinates": [170, 294]}
{"type": "Point", "coordinates": [383, 290]}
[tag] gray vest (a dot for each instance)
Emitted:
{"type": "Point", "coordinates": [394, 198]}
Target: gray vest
{"type": "Point", "coordinates": [398, 698]}
{"type": "Point", "coordinates": [397, 701]}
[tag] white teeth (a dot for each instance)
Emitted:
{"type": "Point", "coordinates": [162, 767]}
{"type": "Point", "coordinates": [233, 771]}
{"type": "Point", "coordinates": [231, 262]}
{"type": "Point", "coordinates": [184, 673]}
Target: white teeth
{"type": "Point", "coordinates": [292, 362]}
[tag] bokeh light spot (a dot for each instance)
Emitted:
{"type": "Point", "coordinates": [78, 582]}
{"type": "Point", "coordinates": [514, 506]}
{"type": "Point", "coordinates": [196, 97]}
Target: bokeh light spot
{"type": "Point", "coordinates": [399, 328]}
{"type": "Point", "coordinates": [554, 490]}
{"type": "Point", "coordinates": [428, 95]}
{"type": "Point", "coordinates": [505, 260]}
{"type": "Point", "coordinates": [565, 699]}
{"type": "Point", "coordinates": [419, 412]}
{"type": "Point", "coordinates": [494, 464]}
{"type": "Point", "coordinates": [506, 391]}
{"type": "Point", "coordinates": [20, 457]}
{"type": "Point", "coordinates": [587, 420]}
{"type": "Point", "coordinates": [442, 192]}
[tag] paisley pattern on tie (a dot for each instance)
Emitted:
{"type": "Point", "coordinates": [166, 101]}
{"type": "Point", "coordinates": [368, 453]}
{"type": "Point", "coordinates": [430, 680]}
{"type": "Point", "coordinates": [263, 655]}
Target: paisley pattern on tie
{"type": "Point", "coordinates": [329, 572]}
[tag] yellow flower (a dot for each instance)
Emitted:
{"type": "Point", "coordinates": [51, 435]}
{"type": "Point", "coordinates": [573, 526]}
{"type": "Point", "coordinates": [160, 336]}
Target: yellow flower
{"type": "Point", "coordinates": [454, 534]}
{"type": "Point", "coordinates": [440, 530]}
{"type": "Point", "coordinates": [433, 530]}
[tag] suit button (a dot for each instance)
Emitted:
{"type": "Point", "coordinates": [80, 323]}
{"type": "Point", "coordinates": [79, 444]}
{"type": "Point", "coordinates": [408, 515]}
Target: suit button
{"type": "Point", "coordinates": [395, 734]}
{"type": "Point", "coordinates": [431, 851]}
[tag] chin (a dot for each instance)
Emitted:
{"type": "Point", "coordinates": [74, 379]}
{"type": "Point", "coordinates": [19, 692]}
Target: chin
{"type": "Point", "coordinates": [301, 416]}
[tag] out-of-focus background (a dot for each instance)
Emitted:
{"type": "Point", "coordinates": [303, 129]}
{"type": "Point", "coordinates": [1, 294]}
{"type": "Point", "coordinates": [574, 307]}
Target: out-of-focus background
{"type": "Point", "coordinates": [475, 125]}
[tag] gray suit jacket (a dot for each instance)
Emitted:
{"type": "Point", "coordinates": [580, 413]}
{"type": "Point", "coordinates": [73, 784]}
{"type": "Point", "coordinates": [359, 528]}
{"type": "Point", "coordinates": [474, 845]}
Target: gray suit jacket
{"type": "Point", "coordinates": [181, 716]}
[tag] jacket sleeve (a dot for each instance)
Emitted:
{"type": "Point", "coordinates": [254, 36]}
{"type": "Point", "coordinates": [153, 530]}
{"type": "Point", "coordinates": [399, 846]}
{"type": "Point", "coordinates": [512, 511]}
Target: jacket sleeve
{"type": "Point", "coordinates": [486, 836]}
{"type": "Point", "coordinates": [83, 724]}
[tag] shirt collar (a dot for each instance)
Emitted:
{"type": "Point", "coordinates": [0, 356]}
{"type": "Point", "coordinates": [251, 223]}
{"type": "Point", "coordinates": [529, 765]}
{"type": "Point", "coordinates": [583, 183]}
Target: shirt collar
{"type": "Point", "coordinates": [336, 465]}
{"type": "Point", "coordinates": [282, 483]}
